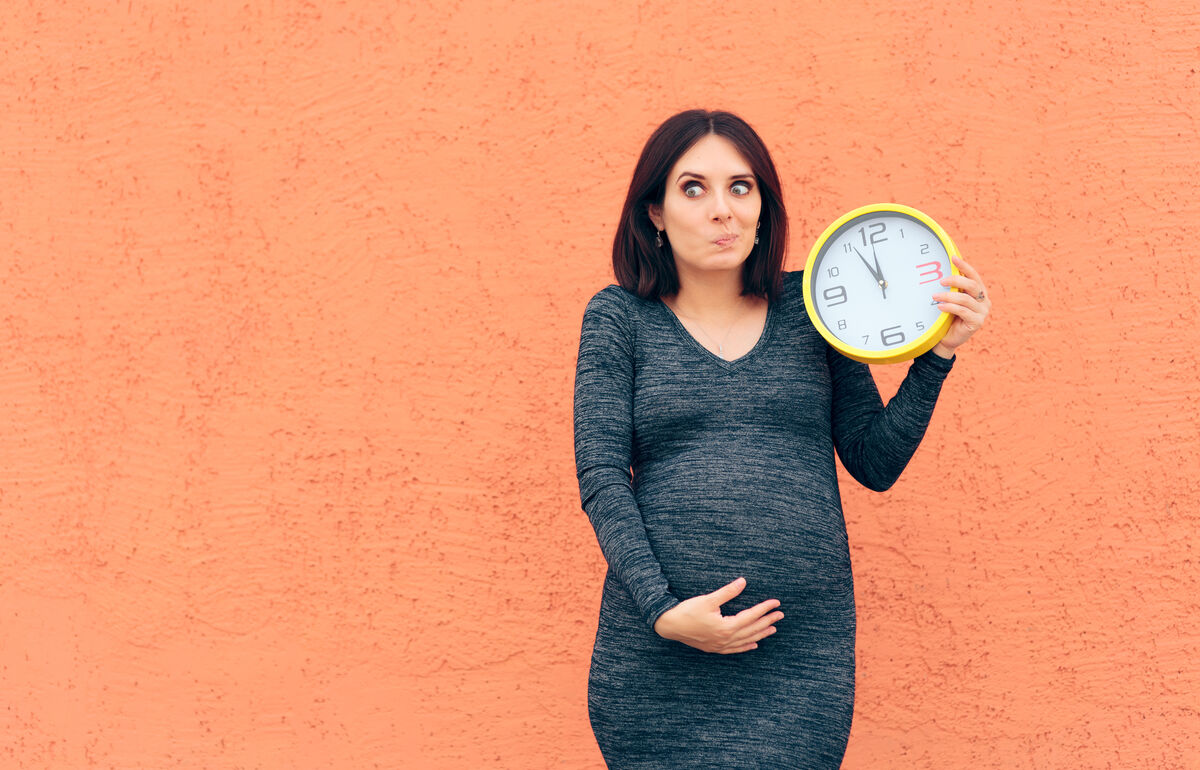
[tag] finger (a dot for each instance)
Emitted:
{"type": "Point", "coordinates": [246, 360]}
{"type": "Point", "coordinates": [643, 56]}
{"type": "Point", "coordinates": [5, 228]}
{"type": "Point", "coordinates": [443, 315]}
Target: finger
{"type": "Point", "coordinates": [965, 285]}
{"type": "Point", "coordinates": [969, 315]}
{"type": "Point", "coordinates": [967, 270]}
{"type": "Point", "coordinates": [972, 321]}
{"type": "Point", "coordinates": [756, 627]}
{"type": "Point", "coordinates": [975, 286]}
{"type": "Point", "coordinates": [761, 633]}
{"type": "Point", "coordinates": [751, 614]}
{"type": "Point", "coordinates": [957, 298]}
{"type": "Point", "coordinates": [743, 648]}
{"type": "Point", "coordinates": [728, 591]}
{"type": "Point", "coordinates": [969, 285]}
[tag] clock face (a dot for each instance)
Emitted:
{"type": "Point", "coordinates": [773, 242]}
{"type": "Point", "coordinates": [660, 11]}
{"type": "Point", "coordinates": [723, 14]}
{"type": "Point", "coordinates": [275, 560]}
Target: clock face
{"type": "Point", "coordinates": [874, 279]}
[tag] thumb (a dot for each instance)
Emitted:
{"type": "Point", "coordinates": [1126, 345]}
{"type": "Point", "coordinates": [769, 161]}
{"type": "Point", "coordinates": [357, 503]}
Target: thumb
{"type": "Point", "coordinates": [728, 591]}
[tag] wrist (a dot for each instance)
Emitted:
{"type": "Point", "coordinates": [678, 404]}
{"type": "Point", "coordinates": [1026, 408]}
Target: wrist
{"type": "Point", "coordinates": [943, 351]}
{"type": "Point", "coordinates": [662, 626]}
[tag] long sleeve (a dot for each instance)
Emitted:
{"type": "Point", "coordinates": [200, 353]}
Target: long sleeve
{"type": "Point", "coordinates": [876, 442]}
{"type": "Point", "coordinates": [603, 450]}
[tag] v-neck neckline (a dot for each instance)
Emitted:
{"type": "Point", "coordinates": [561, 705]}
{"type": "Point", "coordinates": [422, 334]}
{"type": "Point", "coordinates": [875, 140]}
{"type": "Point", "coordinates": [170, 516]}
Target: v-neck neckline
{"type": "Point", "coordinates": [723, 363]}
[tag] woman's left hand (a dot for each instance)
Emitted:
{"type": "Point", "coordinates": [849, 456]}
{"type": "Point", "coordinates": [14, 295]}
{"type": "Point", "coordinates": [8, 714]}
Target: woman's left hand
{"type": "Point", "coordinates": [969, 306]}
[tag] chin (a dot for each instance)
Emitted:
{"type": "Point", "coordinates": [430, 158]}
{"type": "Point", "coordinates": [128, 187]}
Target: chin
{"type": "Point", "coordinates": [732, 260]}
{"type": "Point", "coordinates": [722, 260]}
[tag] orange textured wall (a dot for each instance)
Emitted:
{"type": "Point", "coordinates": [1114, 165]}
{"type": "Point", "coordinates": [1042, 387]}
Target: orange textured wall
{"type": "Point", "coordinates": [292, 295]}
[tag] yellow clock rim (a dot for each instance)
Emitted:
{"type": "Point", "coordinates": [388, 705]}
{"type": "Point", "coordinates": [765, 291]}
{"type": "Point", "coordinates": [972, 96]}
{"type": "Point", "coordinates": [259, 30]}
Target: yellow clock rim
{"type": "Point", "coordinates": [909, 350]}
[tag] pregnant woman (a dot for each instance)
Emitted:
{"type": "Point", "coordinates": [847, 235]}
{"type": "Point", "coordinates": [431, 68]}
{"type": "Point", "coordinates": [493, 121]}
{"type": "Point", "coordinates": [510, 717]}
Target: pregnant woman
{"type": "Point", "coordinates": [707, 413]}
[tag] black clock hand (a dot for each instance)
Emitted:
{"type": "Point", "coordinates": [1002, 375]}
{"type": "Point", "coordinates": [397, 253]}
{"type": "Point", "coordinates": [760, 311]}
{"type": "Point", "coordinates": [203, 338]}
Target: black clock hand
{"type": "Point", "coordinates": [874, 273]}
{"type": "Point", "coordinates": [870, 269]}
{"type": "Point", "coordinates": [879, 271]}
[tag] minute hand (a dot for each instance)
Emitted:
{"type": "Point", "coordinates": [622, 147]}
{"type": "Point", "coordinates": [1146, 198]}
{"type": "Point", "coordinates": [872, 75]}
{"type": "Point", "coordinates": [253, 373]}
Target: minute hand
{"type": "Point", "coordinates": [875, 271]}
{"type": "Point", "coordinates": [879, 270]}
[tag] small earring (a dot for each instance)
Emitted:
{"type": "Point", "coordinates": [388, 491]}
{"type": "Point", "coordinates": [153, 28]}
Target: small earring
{"type": "Point", "coordinates": [658, 239]}
{"type": "Point", "coordinates": [756, 231]}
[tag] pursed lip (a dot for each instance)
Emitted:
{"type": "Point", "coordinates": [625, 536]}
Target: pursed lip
{"type": "Point", "coordinates": [725, 240]}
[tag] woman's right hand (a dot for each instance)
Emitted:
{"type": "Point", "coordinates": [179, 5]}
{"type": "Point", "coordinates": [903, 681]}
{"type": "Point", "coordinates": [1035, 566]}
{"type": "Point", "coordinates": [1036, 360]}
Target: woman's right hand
{"type": "Point", "coordinates": [698, 622]}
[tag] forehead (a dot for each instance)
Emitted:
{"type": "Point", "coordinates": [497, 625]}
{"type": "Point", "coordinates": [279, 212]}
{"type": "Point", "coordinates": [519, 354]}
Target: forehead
{"type": "Point", "coordinates": [713, 156]}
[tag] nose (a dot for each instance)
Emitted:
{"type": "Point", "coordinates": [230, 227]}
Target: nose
{"type": "Point", "coordinates": [720, 209]}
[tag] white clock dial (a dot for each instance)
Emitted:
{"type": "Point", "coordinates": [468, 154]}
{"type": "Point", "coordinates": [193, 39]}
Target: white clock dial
{"type": "Point", "coordinates": [875, 278]}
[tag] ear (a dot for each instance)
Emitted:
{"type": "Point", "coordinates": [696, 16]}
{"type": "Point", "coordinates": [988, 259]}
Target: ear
{"type": "Point", "coordinates": [655, 212]}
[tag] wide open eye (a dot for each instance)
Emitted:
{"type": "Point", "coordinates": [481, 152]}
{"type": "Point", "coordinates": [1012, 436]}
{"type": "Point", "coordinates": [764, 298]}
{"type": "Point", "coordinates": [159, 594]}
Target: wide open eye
{"type": "Point", "coordinates": [740, 188]}
{"type": "Point", "coordinates": [693, 189]}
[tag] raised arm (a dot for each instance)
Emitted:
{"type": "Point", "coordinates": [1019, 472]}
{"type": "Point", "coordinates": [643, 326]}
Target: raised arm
{"type": "Point", "coordinates": [876, 442]}
{"type": "Point", "coordinates": [603, 452]}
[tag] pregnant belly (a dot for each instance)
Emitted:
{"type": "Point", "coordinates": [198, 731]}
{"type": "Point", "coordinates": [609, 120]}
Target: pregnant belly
{"type": "Point", "coordinates": [799, 557]}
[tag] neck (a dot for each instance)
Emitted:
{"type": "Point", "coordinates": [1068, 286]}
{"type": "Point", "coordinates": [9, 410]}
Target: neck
{"type": "Point", "coordinates": [710, 294]}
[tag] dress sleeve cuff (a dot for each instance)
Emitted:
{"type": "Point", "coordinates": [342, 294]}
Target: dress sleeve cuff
{"type": "Point", "coordinates": [659, 607]}
{"type": "Point", "coordinates": [934, 364]}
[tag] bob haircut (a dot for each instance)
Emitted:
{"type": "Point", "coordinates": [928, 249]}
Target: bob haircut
{"type": "Point", "coordinates": [649, 271]}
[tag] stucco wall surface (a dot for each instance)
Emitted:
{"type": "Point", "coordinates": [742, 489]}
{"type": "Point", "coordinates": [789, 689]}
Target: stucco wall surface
{"type": "Point", "coordinates": [291, 300]}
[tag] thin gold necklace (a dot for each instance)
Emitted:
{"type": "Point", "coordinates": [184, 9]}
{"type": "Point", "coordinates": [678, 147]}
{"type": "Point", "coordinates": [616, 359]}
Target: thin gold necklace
{"type": "Point", "coordinates": [721, 344]}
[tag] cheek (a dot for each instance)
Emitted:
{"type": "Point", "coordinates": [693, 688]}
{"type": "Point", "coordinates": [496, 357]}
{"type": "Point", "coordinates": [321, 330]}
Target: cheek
{"type": "Point", "coordinates": [750, 207]}
{"type": "Point", "coordinates": [683, 218]}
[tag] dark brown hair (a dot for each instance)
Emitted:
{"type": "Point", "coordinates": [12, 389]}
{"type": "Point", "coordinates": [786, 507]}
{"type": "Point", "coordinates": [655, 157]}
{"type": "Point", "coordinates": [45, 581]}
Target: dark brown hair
{"type": "Point", "coordinates": [648, 270]}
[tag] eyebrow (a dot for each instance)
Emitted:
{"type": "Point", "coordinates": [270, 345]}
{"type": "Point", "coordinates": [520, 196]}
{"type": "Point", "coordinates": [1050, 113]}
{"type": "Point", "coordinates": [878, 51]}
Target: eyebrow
{"type": "Point", "coordinates": [703, 178]}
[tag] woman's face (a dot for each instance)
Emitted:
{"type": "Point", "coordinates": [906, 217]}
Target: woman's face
{"type": "Point", "coordinates": [710, 208]}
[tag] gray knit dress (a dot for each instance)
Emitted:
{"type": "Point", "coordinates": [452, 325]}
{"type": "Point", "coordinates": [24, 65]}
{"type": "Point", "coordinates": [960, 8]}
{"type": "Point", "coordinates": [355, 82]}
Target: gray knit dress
{"type": "Point", "coordinates": [733, 475]}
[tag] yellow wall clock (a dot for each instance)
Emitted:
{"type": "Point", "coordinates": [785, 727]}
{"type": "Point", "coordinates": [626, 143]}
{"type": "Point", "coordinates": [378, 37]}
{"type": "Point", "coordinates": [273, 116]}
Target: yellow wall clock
{"type": "Point", "coordinates": [870, 279]}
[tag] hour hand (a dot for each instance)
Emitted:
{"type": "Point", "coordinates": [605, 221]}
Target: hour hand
{"type": "Point", "coordinates": [878, 269]}
{"type": "Point", "coordinates": [874, 272]}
